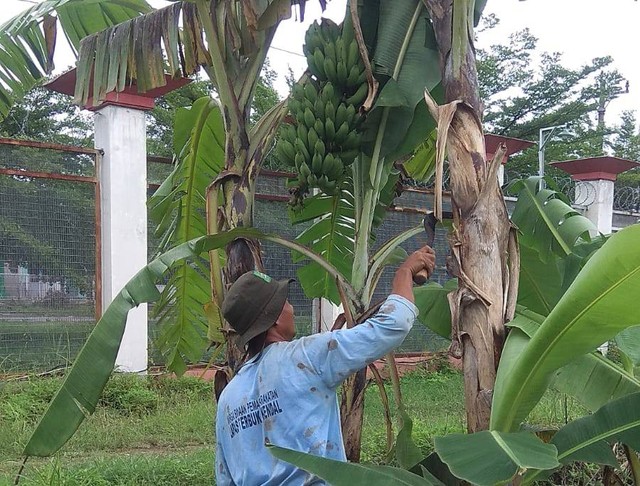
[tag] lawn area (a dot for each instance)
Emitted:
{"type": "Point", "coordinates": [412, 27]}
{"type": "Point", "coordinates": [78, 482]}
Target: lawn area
{"type": "Point", "coordinates": [159, 431]}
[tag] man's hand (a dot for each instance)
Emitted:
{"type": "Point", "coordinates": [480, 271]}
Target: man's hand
{"type": "Point", "coordinates": [423, 259]}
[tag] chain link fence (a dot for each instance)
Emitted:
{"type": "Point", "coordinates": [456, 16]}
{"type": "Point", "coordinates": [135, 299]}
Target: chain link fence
{"type": "Point", "coordinates": [48, 253]}
{"type": "Point", "coordinates": [50, 250]}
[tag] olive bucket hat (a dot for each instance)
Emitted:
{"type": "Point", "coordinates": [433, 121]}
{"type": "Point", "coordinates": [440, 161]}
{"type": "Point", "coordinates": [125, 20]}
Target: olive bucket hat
{"type": "Point", "coordinates": [253, 304]}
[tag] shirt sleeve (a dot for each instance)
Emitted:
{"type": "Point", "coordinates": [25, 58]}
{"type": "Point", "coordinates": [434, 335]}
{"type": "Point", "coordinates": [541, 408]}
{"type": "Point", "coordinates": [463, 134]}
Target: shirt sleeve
{"type": "Point", "coordinates": [336, 355]}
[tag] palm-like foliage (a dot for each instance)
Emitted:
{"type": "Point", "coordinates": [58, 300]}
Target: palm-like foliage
{"type": "Point", "coordinates": [178, 207]}
{"type": "Point", "coordinates": [27, 41]}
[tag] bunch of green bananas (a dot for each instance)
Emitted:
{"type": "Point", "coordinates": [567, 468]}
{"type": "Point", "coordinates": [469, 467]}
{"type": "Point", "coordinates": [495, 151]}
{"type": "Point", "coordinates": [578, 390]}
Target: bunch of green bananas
{"type": "Point", "coordinates": [333, 57]}
{"type": "Point", "coordinates": [325, 138]}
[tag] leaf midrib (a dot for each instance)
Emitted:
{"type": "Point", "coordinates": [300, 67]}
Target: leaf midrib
{"type": "Point", "coordinates": [557, 338]}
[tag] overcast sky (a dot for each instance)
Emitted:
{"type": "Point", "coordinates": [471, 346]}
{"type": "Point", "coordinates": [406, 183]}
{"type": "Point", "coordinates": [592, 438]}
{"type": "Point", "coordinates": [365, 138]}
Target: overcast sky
{"type": "Point", "coordinates": [580, 29]}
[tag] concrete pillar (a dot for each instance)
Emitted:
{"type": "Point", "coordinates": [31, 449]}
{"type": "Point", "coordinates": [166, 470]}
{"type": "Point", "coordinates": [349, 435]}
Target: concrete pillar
{"type": "Point", "coordinates": [600, 212]}
{"type": "Point", "coordinates": [121, 133]}
{"type": "Point", "coordinates": [326, 314]}
{"type": "Point", "coordinates": [597, 174]}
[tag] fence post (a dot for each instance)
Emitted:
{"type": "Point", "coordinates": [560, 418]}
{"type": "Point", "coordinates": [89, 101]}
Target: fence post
{"type": "Point", "coordinates": [597, 174]}
{"type": "Point", "coordinates": [120, 132]}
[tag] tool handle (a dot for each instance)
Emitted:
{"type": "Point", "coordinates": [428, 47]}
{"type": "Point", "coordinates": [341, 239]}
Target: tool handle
{"type": "Point", "coordinates": [421, 277]}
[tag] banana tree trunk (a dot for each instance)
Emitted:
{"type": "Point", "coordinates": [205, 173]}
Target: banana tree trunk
{"type": "Point", "coordinates": [484, 253]}
{"type": "Point", "coordinates": [236, 190]}
{"type": "Point", "coordinates": [352, 413]}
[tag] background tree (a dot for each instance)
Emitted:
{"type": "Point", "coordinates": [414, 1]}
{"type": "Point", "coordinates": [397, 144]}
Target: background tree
{"type": "Point", "coordinates": [48, 116]}
{"type": "Point", "coordinates": [524, 91]}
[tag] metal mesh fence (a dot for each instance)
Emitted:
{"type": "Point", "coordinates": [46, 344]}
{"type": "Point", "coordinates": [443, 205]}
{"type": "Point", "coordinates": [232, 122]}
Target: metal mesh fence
{"type": "Point", "coordinates": [47, 255]}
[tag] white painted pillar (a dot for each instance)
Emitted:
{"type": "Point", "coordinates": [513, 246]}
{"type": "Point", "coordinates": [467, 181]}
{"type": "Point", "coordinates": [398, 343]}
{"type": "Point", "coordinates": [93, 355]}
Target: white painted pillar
{"type": "Point", "coordinates": [501, 175]}
{"type": "Point", "coordinates": [121, 133]}
{"type": "Point", "coordinates": [600, 212]}
{"type": "Point", "coordinates": [324, 315]}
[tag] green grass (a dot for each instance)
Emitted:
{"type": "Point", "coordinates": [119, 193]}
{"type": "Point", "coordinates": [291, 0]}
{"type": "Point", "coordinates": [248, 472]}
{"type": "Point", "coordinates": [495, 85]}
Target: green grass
{"type": "Point", "coordinates": [159, 431]}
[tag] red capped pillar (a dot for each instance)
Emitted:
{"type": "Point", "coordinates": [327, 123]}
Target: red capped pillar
{"type": "Point", "coordinates": [600, 173]}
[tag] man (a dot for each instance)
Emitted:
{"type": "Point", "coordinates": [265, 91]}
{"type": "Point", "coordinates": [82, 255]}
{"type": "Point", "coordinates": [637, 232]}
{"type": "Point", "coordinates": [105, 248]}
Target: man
{"type": "Point", "coordinates": [285, 394]}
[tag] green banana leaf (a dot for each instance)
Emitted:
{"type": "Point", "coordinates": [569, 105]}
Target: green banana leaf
{"type": "Point", "coordinates": [177, 208]}
{"type": "Point", "coordinates": [588, 439]}
{"type": "Point", "coordinates": [540, 286]}
{"type": "Point", "coordinates": [489, 457]}
{"type": "Point", "coordinates": [407, 451]}
{"type": "Point", "coordinates": [431, 301]}
{"type": "Point", "coordinates": [83, 385]}
{"type": "Point", "coordinates": [543, 283]}
{"type": "Point", "coordinates": [331, 235]}
{"type": "Point", "coordinates": [592, 379]}
{"type": "Point", "coordinates": [593, 310]}
{"type": "Point", "coordinates": [339, 473]}
{"type": "Point", "coordinates": [547, 223]}
{"type": "Point", "coordinates": [406, 62]}
{"type": "Point", "coordinates": [628, 341]}
{"type": "Point", "coordinates": [27, 41]}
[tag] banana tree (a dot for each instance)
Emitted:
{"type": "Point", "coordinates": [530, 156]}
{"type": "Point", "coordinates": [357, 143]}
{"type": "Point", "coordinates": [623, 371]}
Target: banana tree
{"type": "Point", "coordinates": [28, 40]}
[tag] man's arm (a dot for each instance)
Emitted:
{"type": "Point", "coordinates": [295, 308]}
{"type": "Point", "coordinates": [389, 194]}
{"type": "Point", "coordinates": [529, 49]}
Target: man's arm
{"type": "Point", "coordinates": [338, 354]}
{"type": "Point", "coordinates": [423, 259]}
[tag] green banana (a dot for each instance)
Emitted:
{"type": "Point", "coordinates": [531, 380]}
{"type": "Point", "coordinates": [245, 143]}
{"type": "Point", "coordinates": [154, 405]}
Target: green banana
{"type": "Point", "coordinates": [302, 132]}
{"type": "Point", "coordinates": [342, 132]}
{"type": "Point", "coordinates": [352, 141]}
{"type": "Point", "coordinates": [313, 137]}
{"type": "Point", "coordinates": [340, 52]}
{"type": "Point", "coordinates": [329, 111]}
{"type": "Point", "coordinates": [319, 128]}
{"type": "Point", "coordinates": [320, 148]}
{"type": "Point", "coordinates": [287, 150]}
{"type": "Point", "coordinates": [318, 58]}
{"type": "Point", "coordinates": [310, 92]}
{"type": "Point", "coordinates": [294, 105]}
{"type": "Point", "coordinates": [298, 92]}
{"type": "Point", "coordinates": [359, 96]}
{"type": "Point", "coordinates": [305, 171]}
{"type": "Point", "coordinates": [353, 56]}
{"type": "Point", "coordinates": [330, 68]}
{"type": "Point", "coordinates": [289, 132]}
{"type": "Point", "coordinates": [341, 115]}
{"type": "Point", "coordinates": [348, 156]}
{"type": "Point", "coordinates": [328, 93]}
{"type": "Point", "coordinates": [330, 51]}
{"type": "Point", "coordinates": [329, 130]}
{"type": "Point", "coordinates": [338, 168]}
{"type": "Point", "coordinates": [330, 188]}
{"type": "Point", "coordinates": [342, 73]}
{"type": "Point", "coordinates": [313, 68]}
{"type": "Point", "coordinates": [309, 119]}
{"type": "Point", "coordinates": [350, 115]}
{"type": "Point", "coordinates": [352, 79]}
{"type": "Point", "coordinates": [316, 164]}
{"type": "Point", "coordinates": [302, 149]}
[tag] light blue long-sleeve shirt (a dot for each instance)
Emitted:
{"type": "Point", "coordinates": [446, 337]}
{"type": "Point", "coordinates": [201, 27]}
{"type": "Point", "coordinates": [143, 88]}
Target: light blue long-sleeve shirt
{"type": "Point", "coordinates": [286, 396]}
